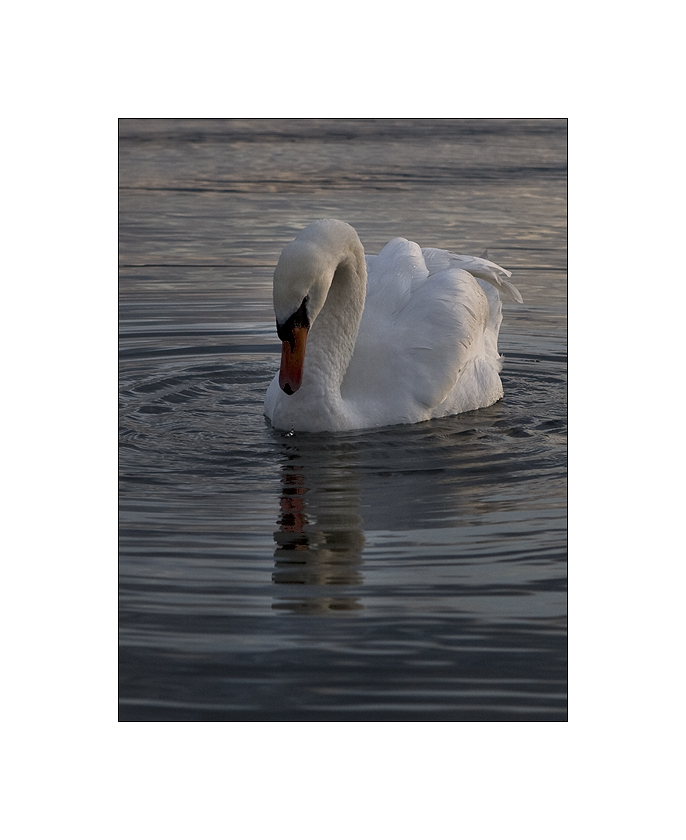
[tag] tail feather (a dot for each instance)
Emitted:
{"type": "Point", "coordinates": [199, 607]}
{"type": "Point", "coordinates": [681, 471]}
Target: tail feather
{"type": "Point", "coordinates": [480, 267]}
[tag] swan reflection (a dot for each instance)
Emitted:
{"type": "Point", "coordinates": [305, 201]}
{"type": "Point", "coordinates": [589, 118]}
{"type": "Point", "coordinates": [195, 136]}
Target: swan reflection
{"type": "Point", "coordinates": [425, 482]}
{"type": "Point", "coordinates": [320, 538]}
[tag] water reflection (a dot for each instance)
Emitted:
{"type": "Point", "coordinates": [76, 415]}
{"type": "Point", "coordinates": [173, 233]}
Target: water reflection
{"type": "Point", "coordinates": [320, 538]}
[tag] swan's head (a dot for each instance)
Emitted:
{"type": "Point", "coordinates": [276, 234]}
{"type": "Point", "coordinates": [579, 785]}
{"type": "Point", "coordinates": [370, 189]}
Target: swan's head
{"type": "Point", "coordinates": [301, 283]}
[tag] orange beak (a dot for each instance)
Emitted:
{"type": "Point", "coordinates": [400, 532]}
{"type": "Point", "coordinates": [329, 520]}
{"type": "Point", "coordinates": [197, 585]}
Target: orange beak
{"type": "Point", "coordinates": [292, 361]}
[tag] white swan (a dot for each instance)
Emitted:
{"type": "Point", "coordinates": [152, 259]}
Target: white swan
{"type": "Point", "coordinates": [401, 337]}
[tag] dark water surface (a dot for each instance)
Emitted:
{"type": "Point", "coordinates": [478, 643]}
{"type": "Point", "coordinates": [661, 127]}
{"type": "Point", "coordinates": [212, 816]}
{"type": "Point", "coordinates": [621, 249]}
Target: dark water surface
{"type": "Point", "coordinates": [412, 573]}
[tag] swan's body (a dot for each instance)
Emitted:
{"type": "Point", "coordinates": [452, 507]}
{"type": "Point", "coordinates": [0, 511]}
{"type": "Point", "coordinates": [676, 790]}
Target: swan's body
{"type": "Point", "coordinates": [401, 337]}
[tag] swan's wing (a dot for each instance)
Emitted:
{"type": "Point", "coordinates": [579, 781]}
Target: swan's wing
{"type": "Point", "coordinates": [443, 328]}
{"type": "Point", "coordinates": [418, 330]}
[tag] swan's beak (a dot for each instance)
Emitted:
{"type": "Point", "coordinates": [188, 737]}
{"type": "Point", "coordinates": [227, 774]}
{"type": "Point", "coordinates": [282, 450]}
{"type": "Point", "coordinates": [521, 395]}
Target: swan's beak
{"type": "Point", "coordinates": [292, 360]}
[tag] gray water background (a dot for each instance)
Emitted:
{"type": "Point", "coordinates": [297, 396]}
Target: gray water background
{"type": "Point", "coordinates": [407, 573]}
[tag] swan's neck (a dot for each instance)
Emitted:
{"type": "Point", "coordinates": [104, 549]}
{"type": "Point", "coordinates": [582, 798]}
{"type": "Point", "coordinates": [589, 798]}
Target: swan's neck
{"type": "Point", "coordinates": [331, 341]}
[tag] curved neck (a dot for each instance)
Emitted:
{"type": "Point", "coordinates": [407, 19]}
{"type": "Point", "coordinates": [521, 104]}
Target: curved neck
{"type": "Point", "coordinates": [331, 341]}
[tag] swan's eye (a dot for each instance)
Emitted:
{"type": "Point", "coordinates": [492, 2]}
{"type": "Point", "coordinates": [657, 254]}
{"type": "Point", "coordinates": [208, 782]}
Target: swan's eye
{"type": "Point", "coordinates": [299, 318]}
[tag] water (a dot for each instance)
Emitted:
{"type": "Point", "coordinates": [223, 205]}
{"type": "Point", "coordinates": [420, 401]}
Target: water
{"type": "Point", "coordinates": [412, 573]}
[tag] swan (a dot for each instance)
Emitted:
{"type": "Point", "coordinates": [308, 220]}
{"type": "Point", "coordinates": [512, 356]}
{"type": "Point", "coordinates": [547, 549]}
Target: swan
{"type": "Point", "coordinates": [404, 336]}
